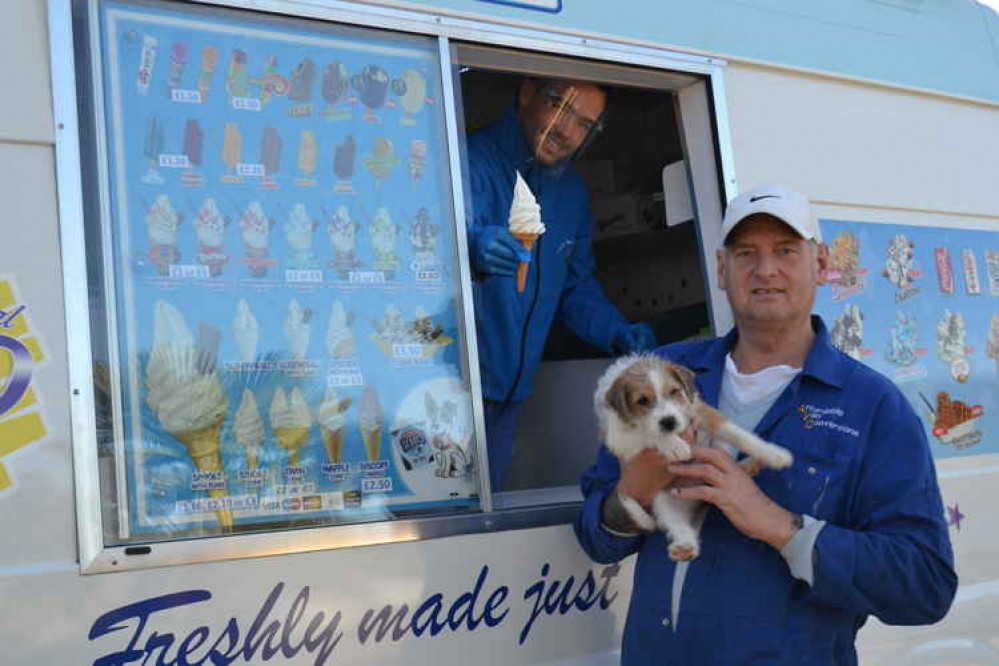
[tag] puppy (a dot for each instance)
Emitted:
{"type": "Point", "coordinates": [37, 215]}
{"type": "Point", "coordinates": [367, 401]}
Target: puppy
{"type": "Point", "coordinates": [644, 401]}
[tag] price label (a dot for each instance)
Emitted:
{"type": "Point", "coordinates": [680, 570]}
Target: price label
{"type": "Point", "coordinates": [303, 276]}
{"type": "Point", "coordinates": [250, 170]}
{"type": "Point", "coordinates": [246, 103]}
{"type": "Point", "coordinates": [341, 380]}
{"type": "Point", "coordinates": [376, 485]}
{"type": "Point", "coordinates": [408, 350]}
{"type": "Point", "coordinates": [174, 161]}
{"type": "Point", "coordinates": [428, 275]}
{"type": "Point", "coordinates": [367, 277]}
{"type": "Point", "coordinates": [187, 272]}
{"type": "Point", "coordinates": [186, 96]}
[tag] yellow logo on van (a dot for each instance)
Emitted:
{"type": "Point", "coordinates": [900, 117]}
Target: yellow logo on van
{"type": "Point", "coordinates": [21, 420]}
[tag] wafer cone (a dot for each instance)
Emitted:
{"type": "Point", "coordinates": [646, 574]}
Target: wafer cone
{"type": "Point", "coordinates": [333, 441]}
{"type": "Point", "coordinates": [291, 440]}
{"type": "Point", "coordinates": [372, 443]}
{"type": "Point", "coordinates": [203, 447]}
{"type": "Point", "coordinates": [527, 240]}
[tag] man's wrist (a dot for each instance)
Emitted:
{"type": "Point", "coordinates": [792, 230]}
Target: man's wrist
{"type": "Point", "coordinates": [786, 526]}
{"type": "Point", "coordinates": [614, 517]}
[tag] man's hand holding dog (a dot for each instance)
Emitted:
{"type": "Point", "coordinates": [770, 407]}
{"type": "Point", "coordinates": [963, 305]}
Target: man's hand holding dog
{"type": "Point", "coordinates": [725, 484]}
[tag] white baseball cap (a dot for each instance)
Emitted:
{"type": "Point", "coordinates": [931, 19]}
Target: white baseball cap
{"type": "Point", "coordinates": [789, 207]}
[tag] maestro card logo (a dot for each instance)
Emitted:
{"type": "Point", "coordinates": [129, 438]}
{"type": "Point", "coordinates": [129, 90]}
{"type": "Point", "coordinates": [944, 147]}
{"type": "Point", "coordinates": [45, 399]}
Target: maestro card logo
{"type": "Point", "coordinates": [21, 419]}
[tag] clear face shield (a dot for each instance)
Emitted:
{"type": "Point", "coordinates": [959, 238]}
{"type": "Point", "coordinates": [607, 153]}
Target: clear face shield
{"type": "Point", "coordinates": [564, 119]}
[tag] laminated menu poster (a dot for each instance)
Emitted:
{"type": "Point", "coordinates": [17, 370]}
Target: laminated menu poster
{"type": "Point", "coordinates": [285, 273]}
{"type": "Point", "coordinates": [921, 306]}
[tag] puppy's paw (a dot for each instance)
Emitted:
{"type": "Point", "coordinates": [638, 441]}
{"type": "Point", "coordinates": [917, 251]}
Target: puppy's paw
{"type": "Point", "coordinates": [637, 514]}
{"type": "Point", "coordinates": [683, 552]}
{"type": "Point", "coordinates": [778, 457]}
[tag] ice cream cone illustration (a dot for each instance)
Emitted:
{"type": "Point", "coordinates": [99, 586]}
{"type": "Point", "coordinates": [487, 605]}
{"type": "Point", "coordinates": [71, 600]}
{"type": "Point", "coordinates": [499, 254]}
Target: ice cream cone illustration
{"type": "Point", "coordinates": [340, 341]}
{"type": "Point", "coordinates": [333, 423]}
{"type": "Point", "coordinates": [390, 330]}
{"type": "Point", "coordinates": [307, 157]}
{"type": "Point", "coordinates": [371, 423]}
{"type": "Point", "coordinates": [291, 421]}
{"type": "Point", "coordinates": [209, 225]}
{"type": "Point", "coordinates": [185, 393]}
{"type": "Point", "coordinates": [162, 222]}
{"type": "Point", "coordinates": [296, 329]}
{"type": "Point", "coordinates": [525, 225]}
{"type": "Point", "coordinates": [232, 151]}
{"type": "Point", "coordinates": [246, 331]}
{"type": "Point", "coordinates": [248, 429]}
{"type": "Point", "coordinates": [423, 240]}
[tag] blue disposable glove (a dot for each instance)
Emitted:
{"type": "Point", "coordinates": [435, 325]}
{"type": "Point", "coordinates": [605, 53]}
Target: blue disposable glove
{"type": "Point", "coordinates": [635, 338]}
{"type": "Point", "coordinates": [493, 250]}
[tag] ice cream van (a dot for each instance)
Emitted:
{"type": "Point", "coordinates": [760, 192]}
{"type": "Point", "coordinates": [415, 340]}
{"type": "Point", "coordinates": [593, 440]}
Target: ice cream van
{"type": "Point", "coordinates": [240, 406]}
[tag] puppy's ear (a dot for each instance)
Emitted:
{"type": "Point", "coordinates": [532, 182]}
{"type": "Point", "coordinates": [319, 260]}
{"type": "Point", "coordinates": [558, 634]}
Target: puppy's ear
{"type": "Point", "coordinates": [686, 378]}
{"type": "Point", "coordinates": [617, 399]}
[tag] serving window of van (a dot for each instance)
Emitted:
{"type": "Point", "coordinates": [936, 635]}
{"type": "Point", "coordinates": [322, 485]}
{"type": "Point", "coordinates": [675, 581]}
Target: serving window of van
{"type": "Point", "coordinates": [282, 338]}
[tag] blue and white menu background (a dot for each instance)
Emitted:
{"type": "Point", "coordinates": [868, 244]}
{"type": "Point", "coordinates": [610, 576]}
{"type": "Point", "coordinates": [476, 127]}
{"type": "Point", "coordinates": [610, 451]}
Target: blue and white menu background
{"type": "Point", "coordinates": [921, 305]}
{"type": "Point", "coordinates": [282, 228]}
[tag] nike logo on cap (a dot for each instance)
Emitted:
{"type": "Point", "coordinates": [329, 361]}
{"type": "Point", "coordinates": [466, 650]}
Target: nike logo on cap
{"type": "Point", "coordinates": [763, 196]}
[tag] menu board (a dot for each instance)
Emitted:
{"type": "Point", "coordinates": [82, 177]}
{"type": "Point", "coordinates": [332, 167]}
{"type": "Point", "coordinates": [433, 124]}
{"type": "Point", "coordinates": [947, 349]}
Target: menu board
{"type": "Point", "coordinates": [287, 299]}
{"type": "Point", "coordinates": [921, 305]}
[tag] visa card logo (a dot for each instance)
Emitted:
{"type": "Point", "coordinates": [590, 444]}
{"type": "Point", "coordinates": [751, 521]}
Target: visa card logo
{"type": "Point", "coordinates": [21, 419]}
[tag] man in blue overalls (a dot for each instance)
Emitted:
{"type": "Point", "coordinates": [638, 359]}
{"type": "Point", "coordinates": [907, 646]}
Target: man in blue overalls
{"type": "Point", "coordinates": [792, 562]}
{"type": "Point", "coordinates": [552, 121]}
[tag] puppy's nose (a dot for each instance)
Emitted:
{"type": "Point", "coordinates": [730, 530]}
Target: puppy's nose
{"type": "Point", "coordinates": [668, 423]}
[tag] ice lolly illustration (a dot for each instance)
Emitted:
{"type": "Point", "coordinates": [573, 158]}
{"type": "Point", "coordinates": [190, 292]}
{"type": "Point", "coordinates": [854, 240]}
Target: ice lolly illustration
{"type": "Point", "coordinates": [417, 159]}
{"type": "Point", "coordinates": [248, 429]}
{"type": "Point", "coordinates": [412, 90]}
{"type": "Point", "coordinates": [209, 225]}
{"type": "Point", "coordinates": [296, 329]}
{"type": "Point", "coordinates": [371, 422]}
{"type": "Point", "coordinates": [152, 146]}
{"type": "Point", "coordinates": [334, 90]}
{"type": "Point", "coordinates": [340, 341]}
{"type": "Point", "coordinates": [194, 141]}
{"type": "Point", "coordinates": [307, 150]}
{"type": "Point", "coordinates": [344, 158]}
{"type": "Point", "coordinates": [291, 421]}
{"type": "Point", "coordinates": [162, 222]}
{"type": "Point", "coordinates": [525, 224]}
{"type": "Point", "coordinates": [178, 61]}
{"type": "Point", "coordinates": [298, 231]}
{"type": "Point", "coordinates": [372, 86]}
{"type": "Point", "coordinates": [271, 83]}
{"type": "Point", "coordinates": [246, 332]}
{"type": "Point", "coordinates": [381, 160]}
{"type": "Point", "coordinates": [209, 61]}
{"type": "Point", "coordinates": [184, 391]}
{"type": "Point", "coordinates": [237, 80]}
{"type": "Point", "coordinates": [255, 229]}
{"type": "Point", "coordinates": [270, 154]}
{"type": "Point", "coordinates": [232, 152]}
{"type": "Point", "coordinates": [302, 81]}
{"type": "Point", "coordinates": [147, 59]}
{"type": "Point", "coordinates": [333, 423]}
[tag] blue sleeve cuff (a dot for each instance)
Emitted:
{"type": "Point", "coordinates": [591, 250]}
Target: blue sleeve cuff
{"type": "Point", "coordinates": [800, 550]}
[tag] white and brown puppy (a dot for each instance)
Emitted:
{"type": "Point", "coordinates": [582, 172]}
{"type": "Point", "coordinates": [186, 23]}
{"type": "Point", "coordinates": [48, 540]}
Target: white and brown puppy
{"type": "Point", "coordinates": [644, 401]}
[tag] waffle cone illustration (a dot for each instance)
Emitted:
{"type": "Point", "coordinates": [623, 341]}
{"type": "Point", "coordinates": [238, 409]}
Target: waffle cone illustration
{"type": "Point", "coordinates": [527, 240]}
{"type": "Point", "coordinates": [371, 422]}
{"type": "Point", "coordinates": [333, 441]}
{"type": "Point", "coordinates": [203, 446]}
{"type": "Point", "coordinates": [291, 440]}
{"type": "Point", "coordinates": [372, 442]}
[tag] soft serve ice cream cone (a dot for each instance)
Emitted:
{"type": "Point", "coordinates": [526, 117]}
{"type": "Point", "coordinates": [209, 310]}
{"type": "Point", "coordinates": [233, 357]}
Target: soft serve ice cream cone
{"type": "Point", "coordinates": [296, 329]}
{"type": "Point", "coordinates": [291, 420]}
{"type": "Point", "coordinates": [249, 429]}
{"type": "Point", "coordinates": [185, 393]}
{"type": "Point", "coordinates": [333, 423]}
{"type": "Point", "coordinates": [371, 422]}
{"type": "Point", "coordinates": [246, 331]}
{"type": "Point", "coordinates": [340, 341]}
{"type": "Point", "coordinates": [525, 225]}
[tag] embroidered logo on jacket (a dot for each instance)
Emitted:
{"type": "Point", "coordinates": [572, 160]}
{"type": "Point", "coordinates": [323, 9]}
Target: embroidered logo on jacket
{"type": "Point", "coordinates": [824, 417]}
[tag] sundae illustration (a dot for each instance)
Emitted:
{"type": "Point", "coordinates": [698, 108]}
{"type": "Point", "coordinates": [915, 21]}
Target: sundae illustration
{"type": "Point", "coordinates": [147, 60]}
{"type": "Point", "coordinates": [162, 222]}
{"type": "Point", "coordinates": [372, 87]}
{"type": "Point", "coordinates": [246, 332]}
{"type": "Point", "coordinates": [184, 392]}
{"type": "Point", "coordinates": [344, 158]}
{"type": "Point", "coordinates": [298, 230]}
{"type": "Point", "coordinates": [255, 230]}
{"type": "Point", "coordinates": [152, 146]}
{"type": "Point", "coordinates": [343, 235]}
{"type": "Point", "coordinates": [296, 330]}
{"type": "Point", "coordinates": [381, 160]}
{"type": "Point", "coordinates": [411, 87]}
{"type": "Point", "coordinates": [302, 81]}
{"type": "Point", "coordinates": [209, 61]}
{"type": "Point", "coordinates": [956, 422]}
{"type": "Point", "coordinates": [900, 267]}
{"type": "Point", "coordinates": [248, 429]}
{"type": "Point", "coordinates": [270, 156]}
{"type": "Point", "coordinates": [334, 89]}
{"type": "Point", "coordinates": [525, 224]}
{"type": "Point", "coordinates": [992, 345]}
{"type": "Point", "coordinates": [417, 159]}
{"type": "Point", "coordinates": [237, 79]}
{"type": "Point", "coordinates": [307, 151]}
{"type": "Point", "coordinates": [291, 422]}
{"type": "Point", "coordinates": [423, 240]}
{"type": "Point", "coordinates": [424, 331]}
{"type": "Point", "coordinates": [178, 62]}
{"type": "Point", "coordinates": [384, 239]}
{"type": "Point", "coordinates": [232, 152]}
{"type": "Point", "coordinates": [340, 341]}
{"type": "Point", "coordinates": [450, 448]}
{"type": "Point", "coordinates": [952, 346]}
{"type": "Point", "coordinates": [370, 419]}
{"type": "Point", "coordinates": [902, 337]}
{"type": "Point", "coordinates": [333, 423]}
{"type": "Point", "coordinates": [392, 329]}
{"type": "Point", "coordinates": [209, 225]}
{"type": "Point", "coordinates": [848, 332]}
{"type": "Point", "coordinates": [194, 142]}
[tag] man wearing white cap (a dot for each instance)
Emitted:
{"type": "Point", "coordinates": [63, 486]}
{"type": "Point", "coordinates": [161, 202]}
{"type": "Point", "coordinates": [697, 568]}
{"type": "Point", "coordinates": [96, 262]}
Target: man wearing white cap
{"type": "Point", "coordinates": [792, 562]}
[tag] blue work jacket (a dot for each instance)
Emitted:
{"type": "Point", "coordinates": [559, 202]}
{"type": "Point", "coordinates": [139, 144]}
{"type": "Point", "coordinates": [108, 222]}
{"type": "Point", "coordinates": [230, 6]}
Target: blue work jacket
{"type": "Point", "coordinates": [861, 463]}
{"type": "Point", "coordinates": [512, 327]}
